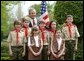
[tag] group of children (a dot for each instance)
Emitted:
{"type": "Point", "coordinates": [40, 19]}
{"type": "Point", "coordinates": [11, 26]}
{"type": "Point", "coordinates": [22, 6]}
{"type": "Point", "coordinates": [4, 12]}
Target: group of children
{"type": "Point", "coordinates": [41, 42]}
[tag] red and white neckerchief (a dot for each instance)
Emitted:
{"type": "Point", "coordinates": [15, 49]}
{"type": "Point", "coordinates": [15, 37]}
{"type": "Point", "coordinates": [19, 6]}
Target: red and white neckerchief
{"type": "Point", "coordinates": [69, 29]}
{"type": "Point", "coordinates": [26, 32]}
{"type": "Point", "coordinates": [43, 33]}
{"type": "Point", "coordinates": [26, 27]}
{"type": "Point", "coordinates": [17, 35]}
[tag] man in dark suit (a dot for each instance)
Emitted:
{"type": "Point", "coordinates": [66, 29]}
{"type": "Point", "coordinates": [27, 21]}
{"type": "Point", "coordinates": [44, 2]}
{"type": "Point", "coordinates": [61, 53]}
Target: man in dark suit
{"type": "Point", "coordinates": [32, 17]}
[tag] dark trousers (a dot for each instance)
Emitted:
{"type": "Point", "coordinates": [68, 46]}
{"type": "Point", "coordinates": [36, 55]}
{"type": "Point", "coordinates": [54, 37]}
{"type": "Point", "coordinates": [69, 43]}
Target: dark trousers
{"type": "Point", "coordinates": [69, 44]}
{"type": "Point", "coordinates": [26, 52]}
{"type": "Point", "coordinates": [45, 52]}
{"type": "Point", "coordinates": [17, 52]}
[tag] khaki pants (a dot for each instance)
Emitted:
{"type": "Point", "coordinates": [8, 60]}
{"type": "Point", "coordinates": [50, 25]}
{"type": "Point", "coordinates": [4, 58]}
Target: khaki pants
{"type": "Point", "coordinates": [26, 52]}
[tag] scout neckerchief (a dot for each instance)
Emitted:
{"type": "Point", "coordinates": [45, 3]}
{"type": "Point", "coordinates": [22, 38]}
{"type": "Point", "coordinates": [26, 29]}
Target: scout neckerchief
{"type": "Point", "coordinates": [26, 32]}
{"type": "Point", "coordinates": [69, 29]}
{"type": "Point", "coordinates": [26, 27]}
{"type": "Point", "coordinates": [17, 35]}
{"type": "Point", "coordinates": [43, 33]}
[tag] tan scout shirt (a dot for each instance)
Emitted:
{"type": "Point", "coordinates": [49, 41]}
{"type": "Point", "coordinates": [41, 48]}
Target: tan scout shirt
{"type": "Point", "coordinates": [12, 38]}
{"type": "Point", "coordinates": [74, 33]}
{"type": "Point", "coordinates": [46, 42]}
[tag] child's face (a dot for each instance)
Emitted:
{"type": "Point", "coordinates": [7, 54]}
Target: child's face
{"type": "Point", "coordinates": [42, 25]}
{"type": "Point", "coordinates": [53, 25]}
{"type": "Point", "coordinates": [25, 23]}
{"type": "Point", "coordinates": [58, 33]}
{"type": "Point", "coordinates": [36, 31]}
{"type": "Point", "coordinates": [18, 26]}
{"type": "Point", "coordinates": [69, 19]}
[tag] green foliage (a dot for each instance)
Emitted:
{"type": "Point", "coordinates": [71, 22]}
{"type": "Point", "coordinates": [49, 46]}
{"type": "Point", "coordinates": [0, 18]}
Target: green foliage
{"type": "Point", "coordinates": [5, 58]}
{"type": "Point", "coordinates": [4, 46]}
{"type": "Point", "coordinates": [79, 54]}
{"type": "Point", "coordinates": [75, 8]}
{"type": "Point", "coordinates": [37, 7]}
{"type": "Point", "coordinates": [5, 16]}
{"type": "Point", "coordinates": [49, 9]}
{"type": "Point", "coordinates": [4, 50]}
{"type": "Point", "coordinates": [63, 8]}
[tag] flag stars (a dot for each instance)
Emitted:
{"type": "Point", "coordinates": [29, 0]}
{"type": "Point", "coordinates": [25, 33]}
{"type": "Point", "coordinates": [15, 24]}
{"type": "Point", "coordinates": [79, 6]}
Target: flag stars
{"type": "Point", "coordinates": [43, 7]}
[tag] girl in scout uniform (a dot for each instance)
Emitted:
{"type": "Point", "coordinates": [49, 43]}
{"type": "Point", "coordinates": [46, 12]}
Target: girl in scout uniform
{"type": "Point", "coordinates": [57, 46]}
{"type": "Point", "coordinates": [27, 31]}
{"type": "Point", "coordinates": [44, 35]}
{"type": "Point", "coordinates": [52, 32]}
{"type": "Point", "coordinates": [35, 44]}
{"type": "Point", "coordinates": [70, 34]}
{"type": "Point", "coordinates": [16, 41]}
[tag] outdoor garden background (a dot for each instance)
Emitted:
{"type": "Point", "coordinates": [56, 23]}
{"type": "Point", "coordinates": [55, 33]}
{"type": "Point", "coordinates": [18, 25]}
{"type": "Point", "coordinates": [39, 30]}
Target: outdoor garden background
{"type": "Point", "coordinates": [57, 11]}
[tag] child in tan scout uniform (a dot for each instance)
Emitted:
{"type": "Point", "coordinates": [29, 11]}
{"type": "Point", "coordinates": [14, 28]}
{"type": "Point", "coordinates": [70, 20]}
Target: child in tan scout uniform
{"type": "Point", "coordinates": [35, 44]}
{"type": "Point", "coordinates": [44, 35]}
{"type": "Point", "coordinates": [57, 46]}
{"type": "Point", "coordinates": [70, 34]}
{"type": "Point", "coordinates": [27, 30]}
{"type": "Point", "coordinates": [16, 42]}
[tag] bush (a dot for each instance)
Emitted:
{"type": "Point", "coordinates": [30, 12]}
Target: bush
{"type": "Point", "coordinates": [5, 58]}
{"type": "Point", "coordinates": [79, 54]}
{"type": "Point", "coordinates": [4, 47]}
{"type": "Point", "coordinates": [4, 51]}
{"type": "Point", "coordinates": [75, 8]}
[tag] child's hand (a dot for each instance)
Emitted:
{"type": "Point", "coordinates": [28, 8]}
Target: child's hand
{"type": "Point", "coordinates": [38, 53]}
{"type": "Point", "coordinates": [35, 54]}
{"type": "Point", "coordinates": [23, 54]}
{"type": "Point", "coordinates": [11, 53]}
{"type": "Point", "coordinates": [48, 52]}
{"type": "Point", "coordinates": [75, 48]}
{"type": "Point", "coordinates": [32, 44]}
{"type": "Point", "coordinates": [57, 56]}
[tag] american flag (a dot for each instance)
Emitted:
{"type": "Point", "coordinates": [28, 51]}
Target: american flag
{"type": "Point", "coordinates": [44, 13]}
